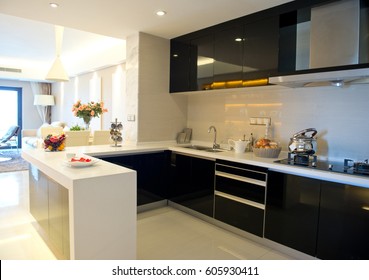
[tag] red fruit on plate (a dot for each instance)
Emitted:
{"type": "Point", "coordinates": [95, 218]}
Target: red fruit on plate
{"type": "Point", "coordinates": [81, 159]}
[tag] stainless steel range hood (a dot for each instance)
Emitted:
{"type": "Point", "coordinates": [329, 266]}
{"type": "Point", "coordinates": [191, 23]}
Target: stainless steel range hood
{"type": "Point", "coordinates": [333, 40]}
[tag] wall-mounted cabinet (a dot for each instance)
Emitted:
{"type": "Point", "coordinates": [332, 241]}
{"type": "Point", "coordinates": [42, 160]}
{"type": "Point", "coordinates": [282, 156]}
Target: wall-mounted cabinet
{"type": "Point", "coordinates": [227, 56]}
{"type": "Point", "coordinates": [326, 35]}
{"type": "Point", "coordinates": [298, 37]}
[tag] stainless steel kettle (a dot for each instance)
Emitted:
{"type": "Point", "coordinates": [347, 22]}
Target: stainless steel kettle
{"type": "Point", "coordinates": [303, 144]}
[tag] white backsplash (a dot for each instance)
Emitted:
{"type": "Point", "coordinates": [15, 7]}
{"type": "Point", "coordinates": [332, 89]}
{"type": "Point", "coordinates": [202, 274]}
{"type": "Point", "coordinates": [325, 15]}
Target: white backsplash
{"type": "Point", "coordinates": [340, 116]}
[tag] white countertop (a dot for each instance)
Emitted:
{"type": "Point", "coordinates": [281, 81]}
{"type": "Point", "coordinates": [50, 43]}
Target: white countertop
{"type": "Point", "coordinates": [101, 201]}
{"type": "Point", "coordinates": [250, 158]}
{"type": "Point", "coordinates": [54, 160]}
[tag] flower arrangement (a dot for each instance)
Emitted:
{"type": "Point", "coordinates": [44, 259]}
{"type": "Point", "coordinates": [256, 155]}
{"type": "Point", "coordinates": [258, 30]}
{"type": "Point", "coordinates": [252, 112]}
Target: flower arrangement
{"type": "Point", "coordinates": [54, 142]}
{"type": "Point", "coordinates": [88, 111]}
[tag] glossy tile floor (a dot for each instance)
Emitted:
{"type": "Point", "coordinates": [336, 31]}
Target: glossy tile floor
{"type": "Point", "coordinates": [164, 233]}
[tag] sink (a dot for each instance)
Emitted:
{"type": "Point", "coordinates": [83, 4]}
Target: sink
{"type": "Point", "coordinates": [203, 148]}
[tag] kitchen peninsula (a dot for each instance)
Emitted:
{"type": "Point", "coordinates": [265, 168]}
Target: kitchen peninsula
{"type": "Point", "coordinates": [83, 213]}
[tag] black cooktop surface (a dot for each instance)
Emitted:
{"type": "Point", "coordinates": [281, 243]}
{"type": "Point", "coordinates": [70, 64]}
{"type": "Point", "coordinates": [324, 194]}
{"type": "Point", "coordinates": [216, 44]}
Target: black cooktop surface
{"type": "Point", "coordinates": [338, 167]}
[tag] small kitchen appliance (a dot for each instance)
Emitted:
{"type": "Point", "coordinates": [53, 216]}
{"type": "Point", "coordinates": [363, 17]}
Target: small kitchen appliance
{"type": "Point", "coordinates": [302, 147]}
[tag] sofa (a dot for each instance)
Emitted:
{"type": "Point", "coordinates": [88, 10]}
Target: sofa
{"type": "Point", "coordinates": [33, 138]}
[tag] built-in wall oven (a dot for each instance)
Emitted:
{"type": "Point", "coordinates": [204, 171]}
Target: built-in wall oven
{"type": "Point", "coordinates": [240, 195]}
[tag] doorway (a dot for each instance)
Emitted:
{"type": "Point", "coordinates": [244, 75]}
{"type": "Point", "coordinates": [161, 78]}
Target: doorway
{"type": "Point", "coordinates": [11, 111]}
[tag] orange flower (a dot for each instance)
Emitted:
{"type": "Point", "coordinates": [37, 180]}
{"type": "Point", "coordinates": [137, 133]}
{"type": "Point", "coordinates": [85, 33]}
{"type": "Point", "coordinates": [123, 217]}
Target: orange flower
{"type": "Point", "coordinates": [91, 109]}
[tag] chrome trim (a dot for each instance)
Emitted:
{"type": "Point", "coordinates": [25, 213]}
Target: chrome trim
{"type": "Point", "coordinates": [240, 178]}
{"type": "Point", "coordinates": [241, 200]}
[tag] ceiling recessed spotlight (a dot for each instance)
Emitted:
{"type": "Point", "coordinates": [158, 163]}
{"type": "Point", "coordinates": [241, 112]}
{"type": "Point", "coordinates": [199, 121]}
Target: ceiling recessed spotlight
{"type": "Point", "coordinates": [54, 5]}
{"type": "Point", "coordinates": [161, 13]}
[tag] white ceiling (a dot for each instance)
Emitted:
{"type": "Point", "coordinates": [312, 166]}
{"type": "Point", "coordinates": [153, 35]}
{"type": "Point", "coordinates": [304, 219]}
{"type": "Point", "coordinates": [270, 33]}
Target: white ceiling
{"type": "Point", "coordinates": [27, 29]}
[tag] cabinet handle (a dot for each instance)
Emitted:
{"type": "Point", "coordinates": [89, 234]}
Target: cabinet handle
{"type": "Point", "coordinates": [241, 178]}
{"type": "Point", "coordinates": [240, 200]}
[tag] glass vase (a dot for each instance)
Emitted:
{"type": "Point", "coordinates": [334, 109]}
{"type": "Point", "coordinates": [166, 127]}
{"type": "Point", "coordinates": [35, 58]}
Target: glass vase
{"type": "Point", "coordinates": [87, 121]}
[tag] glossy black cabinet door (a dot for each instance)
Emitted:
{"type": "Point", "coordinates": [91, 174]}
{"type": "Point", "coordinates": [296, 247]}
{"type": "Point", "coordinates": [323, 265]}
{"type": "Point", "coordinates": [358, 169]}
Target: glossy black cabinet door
{"type": "Point", "coordinates": [240, 215]}
{"type": "Point", "coordinates": [179, 66]}
{"type": "Point", "coordinates": [344, 222]}
{"type": "Point", "coordinates": [202, 61]}
{"type": "Point", "coordinates": [228, 52]}
{"type": "Point", "coordinates": [151, 174]}
{"type": "Point", "coordinates": [292, 211]}
{"type": "Point", "coordinates": [261, 48]}
{"type": "Point", "coordinates": [192, 183]}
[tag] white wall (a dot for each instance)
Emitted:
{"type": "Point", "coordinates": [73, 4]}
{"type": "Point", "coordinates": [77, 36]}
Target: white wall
{"type": "Point", "coordinates": [30, 116]}
{"type": "Point", "coordinates": [107, 85]}
{"type": "Point", "coordinates": [160, 115]}
{"type": "Point", "coordinates": [339, 114]}
{"type": "Point", "coordinates": [140, 87]}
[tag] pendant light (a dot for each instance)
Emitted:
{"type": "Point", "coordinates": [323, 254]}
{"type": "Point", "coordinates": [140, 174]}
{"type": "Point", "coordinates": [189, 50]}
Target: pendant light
{"type": "Point", "coordinates": [57, 72]}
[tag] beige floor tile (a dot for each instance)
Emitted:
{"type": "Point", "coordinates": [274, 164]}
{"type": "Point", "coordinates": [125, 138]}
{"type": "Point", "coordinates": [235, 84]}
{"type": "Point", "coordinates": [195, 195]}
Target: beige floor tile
{"type": "Point", "coordinates": [163, 234]}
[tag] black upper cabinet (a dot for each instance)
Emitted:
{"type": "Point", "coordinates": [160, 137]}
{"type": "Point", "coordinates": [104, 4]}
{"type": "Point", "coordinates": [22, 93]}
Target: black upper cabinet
{"type": "Point", "coordinates": [228, 53]}
{"type": "Point", "coordinates": [179, 66]}
{"type": "Point", "coordinates": [225, 56]}
{"type": "Point", "coordinates": [201, 62]}
{"type": "Point", "coordinates": [273, 42]}
{"type": "Point", "coordinates": [313, 40]}
{"type": "Point", "coordinates": [260, 57]}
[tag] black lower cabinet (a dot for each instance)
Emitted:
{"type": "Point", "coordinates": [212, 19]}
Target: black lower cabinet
{"type": "Point", "coordinates": [292, 211]}
{"type": "Point", "coordinates": [344, 222]}
{"type": "Point", "coordinates": [240, 215]}
{"type": "Point", "coordinates": [240, 195]}
{"type": "Point", "coordinates": [192, 183]}
{"type": "Point", "coordinates": [324, 219]}
{"type": "Point", "coordinates": [151, 174]}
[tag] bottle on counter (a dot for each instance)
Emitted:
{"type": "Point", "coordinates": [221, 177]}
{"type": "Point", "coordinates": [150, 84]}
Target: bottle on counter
{"type": "Point", "coordinates": [251, 143]}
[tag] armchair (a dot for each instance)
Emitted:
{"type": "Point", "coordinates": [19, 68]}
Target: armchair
{"type": "Point", "coordinates": [10, 136]}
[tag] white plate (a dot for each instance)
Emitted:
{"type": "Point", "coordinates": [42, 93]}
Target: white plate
{"type": "Point", "coordinates": [80, 163]}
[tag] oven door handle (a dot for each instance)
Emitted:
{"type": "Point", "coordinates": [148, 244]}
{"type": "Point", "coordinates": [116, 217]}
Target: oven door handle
{"type": "Point", "coordinates": [240, 200]}
{"type": "Point", "coordinates": [240, 178]}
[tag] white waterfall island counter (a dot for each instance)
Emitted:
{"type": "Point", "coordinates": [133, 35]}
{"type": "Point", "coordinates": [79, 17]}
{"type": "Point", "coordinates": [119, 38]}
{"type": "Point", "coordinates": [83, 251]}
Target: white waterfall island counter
{"type": "Point", "coordinates": [83, 213]}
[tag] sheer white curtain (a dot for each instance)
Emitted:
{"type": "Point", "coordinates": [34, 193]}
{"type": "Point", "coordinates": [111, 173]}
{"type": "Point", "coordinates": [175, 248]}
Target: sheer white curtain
{"type": "Point", "coordinates": [42, 88]}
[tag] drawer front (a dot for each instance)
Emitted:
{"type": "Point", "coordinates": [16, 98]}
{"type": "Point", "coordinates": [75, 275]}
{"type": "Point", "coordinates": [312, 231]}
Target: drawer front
{"type": "Point", "coordinates": [240, 188]}
{"type": "Point", "coordinates": [240, 215]}
{"type": "Point", "coordinates": [242, 172]}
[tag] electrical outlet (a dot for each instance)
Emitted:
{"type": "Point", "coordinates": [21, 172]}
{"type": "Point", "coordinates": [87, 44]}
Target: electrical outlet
{"type": "Point", "coordinates": [131, 117]}
{"type": "Point", "coordinates": [260, 120]}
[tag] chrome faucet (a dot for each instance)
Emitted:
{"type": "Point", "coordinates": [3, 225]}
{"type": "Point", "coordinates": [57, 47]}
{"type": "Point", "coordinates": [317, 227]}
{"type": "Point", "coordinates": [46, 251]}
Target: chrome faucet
{"type": "Point", "coordinates": [215, 145]}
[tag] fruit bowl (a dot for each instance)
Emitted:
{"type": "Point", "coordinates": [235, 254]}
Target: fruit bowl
{"type": "Point", "coordinates": [267, 153]}
{"type": "Point", "coordinates": [54, 143]}
{"type": "Point", "coordinates": [266, 148]}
